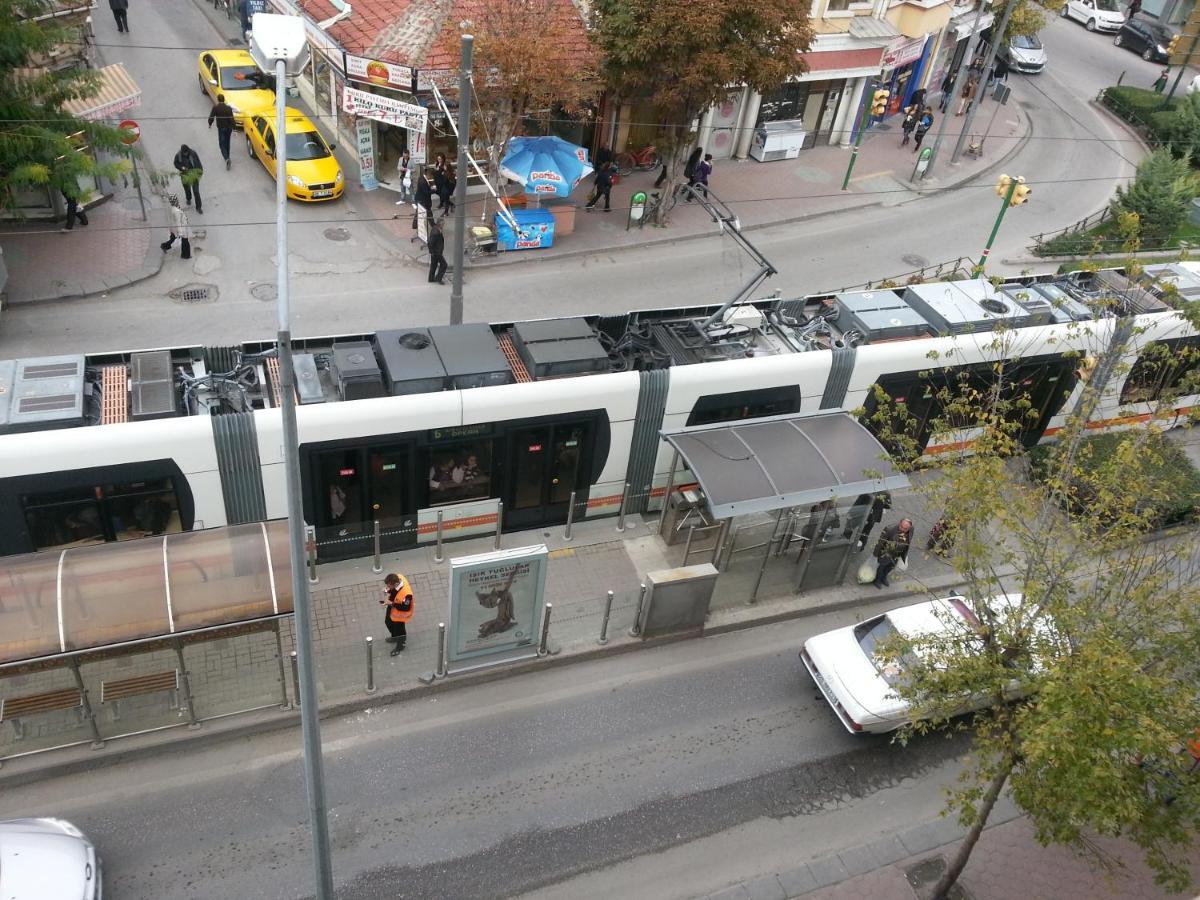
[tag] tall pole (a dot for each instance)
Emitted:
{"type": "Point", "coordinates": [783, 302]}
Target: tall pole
{"type": "Point", "coordinates": [1012, 186]}
{"type": "Point", "coordinates": [997, 37]}
{"type": "Point", "coordinates": [868, 96]}
{"type": "Point", "coordinates": [309, 723]}
{"type": "Point", "coordinates": [1191, 50]}
{"type": "Point", "coordinates": [460, 189]}
{"type": "Point", "coordinates": [956, 89]}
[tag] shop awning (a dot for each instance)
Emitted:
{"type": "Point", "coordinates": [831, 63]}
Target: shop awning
{"type": "Point", "coordinates": [964, 23]}
{"type": "Point", "coordinates": [118, 92]}
{"type": "Point", "coordinates": [80, 598]}
{"type": "Point", "coordinates": [784, 461]}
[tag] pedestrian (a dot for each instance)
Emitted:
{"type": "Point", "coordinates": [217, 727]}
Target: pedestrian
{"type": "Point", "coordinates": [923, 126]}
{"type": "Point", "coordinates": [917, 100]}
{"type": "Point", "coordinates": [603, 188]}
{"type": "Point", "coordinates": [179, 229]}
{"type": "Point", "coordinates": [222, 114]}
{"type": "Point", "coordinates": [73, 213]}
{"type": "Point", "coordinates": [947, 89]}
{"type": "Point", "coordinates": [821, 515]}
{"type": "Point", "coordinates": [1135, 7]}
{"type": "Point", "coordinates": [440, 186]}
{"type": "Point", "coordinates": [187, 164]}
{"type": "Point", "coordinates": [120, 11]}
{"type": "Point", "coordinates": [700, 177]}
{"type": "Point", "coordinates": [423, 200]}
{"type": "Point", "coordinates": [398, 603]}
{"type": "Point", "coordinates": [875, 508]}
{"type": "Point", "coordinates": [689, 167]}
{"type": "Point", "coordinates": [1161, 84]}
{"type": "Point", "coordinates": [404, 176]}
{"type": "Point", "coordinates": [1000, 71]}
{"type": "Point", "coordinates": [892, 550]}
{"type": "Point", "coordinates": [603, 157]}
{"type": "Point", "coordinates": [450, 181]}
{"type": "Point", "coordinates": [857, 516]}
{"type": "Point", "coordinates": [911, 115]}
{"type": "Point", "coordinates": [968, 93]}
{"type": "Point", "coordinates": [437, 254]}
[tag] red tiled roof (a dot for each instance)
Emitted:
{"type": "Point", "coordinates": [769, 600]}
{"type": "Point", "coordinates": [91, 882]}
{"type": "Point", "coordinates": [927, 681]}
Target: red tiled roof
{"type": "Point", "coordinates": [411, 32]}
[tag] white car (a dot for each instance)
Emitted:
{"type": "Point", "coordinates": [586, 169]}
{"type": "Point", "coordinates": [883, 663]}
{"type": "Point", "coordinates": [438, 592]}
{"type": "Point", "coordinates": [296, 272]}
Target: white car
{"type": "Point", "coordinates": [858, 686]}
{"type": "Point", "coordinates": [1096, 15]}
{"type": "Point", "coordinates": [47, 858]}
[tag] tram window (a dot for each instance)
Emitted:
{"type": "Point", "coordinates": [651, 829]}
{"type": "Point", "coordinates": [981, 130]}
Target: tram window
{"type": "Point", "coordinates": [141, 508]}
{"type": "Point", "coordinates": [1168, 367]}
{"type": "Point", "coordinates": [737, 405]}
{"type": "Point", "coordinates": [64, 519]}
{"type": "Point", "coordinates": [459, 472]}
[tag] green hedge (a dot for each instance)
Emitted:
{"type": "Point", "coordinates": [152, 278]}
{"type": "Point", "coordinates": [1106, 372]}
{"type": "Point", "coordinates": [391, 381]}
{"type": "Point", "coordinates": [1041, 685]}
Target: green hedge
{"type": "Point", "coordinates": [1144, 110]}
{"type": "Point", "coordinates": [1179, 479]}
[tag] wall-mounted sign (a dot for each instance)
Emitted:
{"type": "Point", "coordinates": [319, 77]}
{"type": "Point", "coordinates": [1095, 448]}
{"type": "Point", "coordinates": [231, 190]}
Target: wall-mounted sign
{"type": "Point", "coordinates": [902, 50]}
{"type": "Point", "coordinates": [385, 109]}
{"type": "Point", "coordinates": [375, 71]}
{"type": "Point", "coordinates": [496, 604]}
{"type": "Point", "coordinates": [365, 138]}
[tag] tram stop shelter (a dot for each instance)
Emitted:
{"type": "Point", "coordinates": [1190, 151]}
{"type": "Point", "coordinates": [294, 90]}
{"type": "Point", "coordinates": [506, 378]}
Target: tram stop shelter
{"type": "Point", "coordinates": [791, 479]}
{"type": "Point", "coordinates": [86, 628]}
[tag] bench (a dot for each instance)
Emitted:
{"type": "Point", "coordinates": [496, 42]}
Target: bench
{"type": "Point", "coordinates": [13, 709]}
{"type": "Point", "coordinates": [117, 689]}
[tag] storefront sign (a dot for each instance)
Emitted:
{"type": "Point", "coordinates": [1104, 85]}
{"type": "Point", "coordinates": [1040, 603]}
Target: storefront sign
{"type": "Point", "coordinates": [416, 146]}
{"type": "Point", "coordinates": [364, 135]}
{"type": "Point", "coordinates": [496, 603]}
{"type": "Point", "coordinates": [385, 109]}
{"type": "Point", "coordinates": [902, 50]}
{"type": "Point", "coordinates": [376, 72]}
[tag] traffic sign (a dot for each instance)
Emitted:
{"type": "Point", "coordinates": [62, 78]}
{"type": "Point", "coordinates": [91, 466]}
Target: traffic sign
{"type": "Point", "coordinates": [132, 131]}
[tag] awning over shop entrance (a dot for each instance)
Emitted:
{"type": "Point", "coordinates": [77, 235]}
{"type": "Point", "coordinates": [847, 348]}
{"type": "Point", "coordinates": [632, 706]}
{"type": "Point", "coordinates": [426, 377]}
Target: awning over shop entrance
{"type": "Point", "coordinates": [118, 92]}
{"type": "Point", "coordinates": [785, 461]}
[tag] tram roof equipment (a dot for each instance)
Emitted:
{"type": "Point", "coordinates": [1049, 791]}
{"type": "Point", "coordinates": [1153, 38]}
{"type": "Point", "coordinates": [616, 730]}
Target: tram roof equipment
{"type": "Point", "coordinates": [784, 461]}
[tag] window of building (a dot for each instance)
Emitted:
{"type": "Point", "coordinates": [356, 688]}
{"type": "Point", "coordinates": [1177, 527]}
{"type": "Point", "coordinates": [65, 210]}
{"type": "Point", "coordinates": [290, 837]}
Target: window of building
{"type": "Point", "coordinates": [738, 405]}
{"type": "Point", "coordinates": [785, 102]}
{"type": "Point", "coordinates": [458, 472]}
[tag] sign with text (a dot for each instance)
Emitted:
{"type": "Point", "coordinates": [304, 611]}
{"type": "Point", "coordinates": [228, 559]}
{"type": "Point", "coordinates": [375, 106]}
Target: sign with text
{"type": "Point", "coordinates": [385, 109]}
{"type": "Point", "coordinates": [496, 604]}
{"type": "Point", "coordinates": [364, 135]}
{"type": "Point", "coordinates": [376, 71]}
{"type": "Point", "coordinates": [902, 50]}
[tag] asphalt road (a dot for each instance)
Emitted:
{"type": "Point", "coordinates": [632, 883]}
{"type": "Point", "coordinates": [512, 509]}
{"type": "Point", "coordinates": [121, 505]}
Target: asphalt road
{"type": "Point", "coordinates": [513, 785]}
{"type": "Point", "coordinates": [1074, 160]}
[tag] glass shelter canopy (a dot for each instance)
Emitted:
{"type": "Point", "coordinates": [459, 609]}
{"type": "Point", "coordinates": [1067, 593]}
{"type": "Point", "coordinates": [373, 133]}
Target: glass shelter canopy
{"type": "Point", "coordinates": [785, 461]}
{"type": "Point", "coordinates": [81, 598]}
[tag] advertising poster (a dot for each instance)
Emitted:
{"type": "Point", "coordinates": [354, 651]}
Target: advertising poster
{"type": "Point", "coordinates": [496, 604]}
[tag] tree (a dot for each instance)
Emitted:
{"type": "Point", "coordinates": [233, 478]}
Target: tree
{"type": "Point", "coordinates": [681, 57]}
{"type": "Point", "coordinates": [532, 59]}
{"type": "Point", "coordinates": [1100, 634]}
{"type": "Point", "coordinates": [40, 144]}
{"type": "Point", "coordinates": [1160, 195]}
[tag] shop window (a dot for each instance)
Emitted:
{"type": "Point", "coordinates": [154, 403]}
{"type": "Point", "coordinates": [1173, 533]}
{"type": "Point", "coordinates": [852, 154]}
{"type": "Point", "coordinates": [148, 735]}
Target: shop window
{"type": "Point", "coordinates": [738, 405]}
{"type": "Point", "coordinates": [459, 472]}
{"type": "Point", "coordinates": [1168, 368]}
{"type": "Point", "coordinates": [785, 102]}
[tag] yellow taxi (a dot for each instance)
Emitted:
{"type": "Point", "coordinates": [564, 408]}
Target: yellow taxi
{"type": "Point", "coordinates": [234, 74]}
{"type": "Point", "coordinates": [313, 173]}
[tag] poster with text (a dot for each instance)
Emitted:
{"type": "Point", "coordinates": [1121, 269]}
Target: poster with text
{"type": "Point", "coordinates": [496, 603]}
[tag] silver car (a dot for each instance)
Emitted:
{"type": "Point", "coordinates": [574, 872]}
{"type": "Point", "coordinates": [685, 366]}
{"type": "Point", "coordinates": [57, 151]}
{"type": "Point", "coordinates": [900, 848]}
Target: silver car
{"type": "Point", "coordinates": [47, 859]}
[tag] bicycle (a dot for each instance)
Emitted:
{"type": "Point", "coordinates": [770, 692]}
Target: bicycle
{"type": "Point", "coordinates": [658, 201]}
{"type": "Point", "coordinates": [228, 4]}
{"type": "Point", "coordinates": [644, 160]}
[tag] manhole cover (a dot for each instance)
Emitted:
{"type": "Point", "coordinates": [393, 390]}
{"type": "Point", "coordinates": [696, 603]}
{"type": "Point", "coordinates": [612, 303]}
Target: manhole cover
{"type": "Point", "coordinates": [265, 292]}
{"type": "Point", "coordinates": [913, 260]}
{"type": "Point", "coordinates": [193, 293]}
{"type": "Point", "coordinates": [337, 234]}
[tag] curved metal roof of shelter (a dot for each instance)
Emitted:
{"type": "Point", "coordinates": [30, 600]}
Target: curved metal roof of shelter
{"type": "Point", "coordinates": [784, 461]}
{"type": "Point", "coordinates": [81, 598]}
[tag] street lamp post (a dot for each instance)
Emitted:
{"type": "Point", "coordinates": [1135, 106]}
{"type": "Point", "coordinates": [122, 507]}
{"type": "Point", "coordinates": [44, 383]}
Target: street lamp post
{"type": "Point", "coordinates": [460, 190]}
{"type": "Point", "coordinates": [1014, 192]}
{"type": "Point", "coordinates": [278, 44]}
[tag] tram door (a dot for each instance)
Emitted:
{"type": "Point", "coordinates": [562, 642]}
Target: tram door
{"type": "Point", "coordinates": [546, 463]}
{"type": "Point", "coordinates": [354, 487]}
{"type": "Point", "coordinates": [387, 495]}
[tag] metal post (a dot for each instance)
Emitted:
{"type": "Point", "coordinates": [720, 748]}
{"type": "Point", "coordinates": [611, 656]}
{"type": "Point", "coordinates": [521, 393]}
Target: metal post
{"type": "Point", "coordinates": [185, 685]}
{"type": "Point", "coordinates": [720, 544]}
{"type": "Point", "coordinates": [283, 700]}
{"type": "Point", "coordinates": [981, 95]}
{"type": "Point", "coordinates": [570, 517]}
{"type": "Point", "coordinates": [766, 557]}
{"type": "Point", "coordinates": [1012, 186]}
{"type": "Point", "coordinates": [370, 642]}
{"type": "Point", "coordinates": [687, 548]}
{"type": "Point", "coordinates": [544, 643]}
{"type": "Point", "coordinates": [438, 556]}
{"type": "Point", "coordinates": [636, 628]}
{"type": "Point", "coordinates": [378, 565]}
{"type": "Point", "coordinates": [604, 624]}
{"type": "Point", "coordinates": [97, 741]}
{"type": "Point", "coordinates": [662, 517]}
{"type": "Point", "coordinates": [621, 514]}
{"type": "Point", "coordinates": [311, 543]}
{"type": "Point", "coordinates": [295, 677]}
{"type": "Point", "coordinates": [992, 120]}
{"type": "Point", "coordinates": [862, 127]}
{"type": "Point", "coordinates": [137, 183]}
{"type": "Point", "coordinates": [499, 520]}
{"type": "Point", "coordinates": [441, 667]}
{"type": "Point", "coordinates": [460, 190]}
{"type": "Point", "coordinates": [956, 89]}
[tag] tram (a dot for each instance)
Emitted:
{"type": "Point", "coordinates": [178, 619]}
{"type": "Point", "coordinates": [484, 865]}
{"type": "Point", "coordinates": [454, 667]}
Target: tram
{"type": "Point", "coordinates": [464, 424]}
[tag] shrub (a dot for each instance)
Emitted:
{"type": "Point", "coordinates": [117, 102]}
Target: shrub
{"type": "Point", "coordinates": [1159, 195]}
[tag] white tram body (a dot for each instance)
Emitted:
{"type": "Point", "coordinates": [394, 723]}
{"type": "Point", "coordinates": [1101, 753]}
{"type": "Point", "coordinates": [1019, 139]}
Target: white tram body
{"type": "Point", "coordinates": [575, 418]}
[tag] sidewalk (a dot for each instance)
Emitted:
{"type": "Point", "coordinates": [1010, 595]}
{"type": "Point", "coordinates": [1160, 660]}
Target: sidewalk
{"type": "Point", "coordinates": [1007, 864]}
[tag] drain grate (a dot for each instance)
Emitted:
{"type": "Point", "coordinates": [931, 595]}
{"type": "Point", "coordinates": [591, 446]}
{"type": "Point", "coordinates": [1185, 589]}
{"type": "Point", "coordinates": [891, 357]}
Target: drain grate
{"type": "Point", "coordinates": [194, 293]}
{"type": "Point", "coordinates": [337, 234]}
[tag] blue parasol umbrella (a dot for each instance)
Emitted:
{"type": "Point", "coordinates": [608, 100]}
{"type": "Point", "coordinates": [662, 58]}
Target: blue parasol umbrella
{"type": "Point", "coordinates": [547, 166]}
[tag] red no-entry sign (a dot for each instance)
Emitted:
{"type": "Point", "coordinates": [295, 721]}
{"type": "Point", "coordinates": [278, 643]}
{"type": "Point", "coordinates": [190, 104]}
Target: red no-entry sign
{"type": "Point", "coordinates": [132, 130]}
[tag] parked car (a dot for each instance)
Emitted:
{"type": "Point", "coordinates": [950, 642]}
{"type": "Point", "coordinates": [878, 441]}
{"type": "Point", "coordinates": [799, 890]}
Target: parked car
{"type": "Point", "coordinates": [1146, 36]}
{"type": "Point", "coordinates": [859, 685]}
{"type": "Point", "coordinates": [234, 74]}
{"type": "Point", "coordinates": [313, 173]}
{"type": "Point", "coordinates": [1096, 15]}
{"type": "Point", "coordinates": [47, 858]}
{"type": "Point", "coordinates": [1024, 54]}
